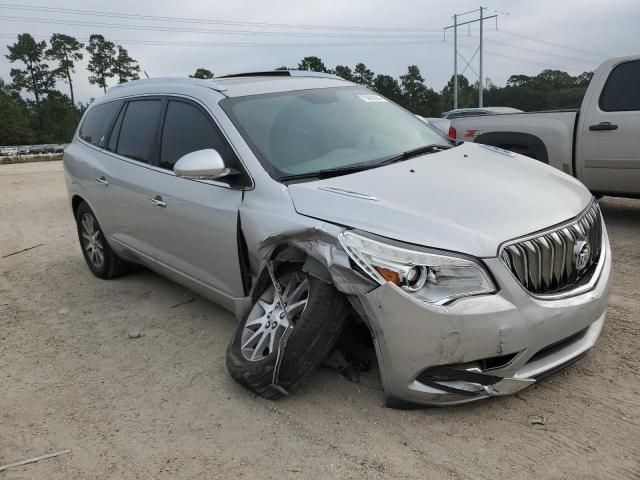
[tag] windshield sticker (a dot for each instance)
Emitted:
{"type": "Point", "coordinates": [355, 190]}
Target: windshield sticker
{"type": "Point", "coordinates": [372, 98]}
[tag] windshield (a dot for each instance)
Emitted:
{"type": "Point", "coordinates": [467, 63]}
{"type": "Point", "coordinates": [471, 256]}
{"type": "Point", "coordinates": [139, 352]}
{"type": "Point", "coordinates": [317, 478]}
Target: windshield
{"type": "Point", "coordinates": [301, 132]}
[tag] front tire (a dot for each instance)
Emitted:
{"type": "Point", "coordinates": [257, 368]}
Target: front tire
{"type": "Point", "coordinates": [100, 258]}
{"type": "Point", "coordinates": [319, 313]}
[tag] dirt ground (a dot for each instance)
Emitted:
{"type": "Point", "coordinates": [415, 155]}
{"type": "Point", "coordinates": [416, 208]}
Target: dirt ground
{"type": "Point", "coordinates": [163, 406]}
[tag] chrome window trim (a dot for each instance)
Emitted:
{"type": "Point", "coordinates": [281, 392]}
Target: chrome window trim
{"type": "Point", "coordinates": [568, 293]}
{"type": "Point", "coordinates": [164, 170]}
{"type": "Point", "coordinates": [137, 163]}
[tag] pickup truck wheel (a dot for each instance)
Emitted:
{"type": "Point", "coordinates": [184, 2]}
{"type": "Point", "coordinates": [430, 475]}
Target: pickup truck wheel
{"type": "Point", "coordinates": [318, 312]}
{"type": "Point", "coordinates": [102, 261]}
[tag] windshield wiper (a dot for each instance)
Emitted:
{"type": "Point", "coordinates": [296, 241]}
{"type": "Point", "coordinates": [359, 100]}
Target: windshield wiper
{"type": "Point", "coordinates": [335, 172]}
{"type": "Point", "coordinates": [328, 173]}
{"type": "Point", "coordinates": [414, 152]}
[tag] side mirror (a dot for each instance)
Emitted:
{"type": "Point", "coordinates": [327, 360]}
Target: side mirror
{"type": "Point", "coordinates": [201, 165]}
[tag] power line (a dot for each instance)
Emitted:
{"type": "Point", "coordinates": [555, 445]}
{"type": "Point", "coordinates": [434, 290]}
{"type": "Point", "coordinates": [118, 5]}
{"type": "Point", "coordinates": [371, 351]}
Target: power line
{"type": "Point", "coordinates": [541, 52]}
{"type": "Point", "coordinates": [127, 26]}
{"type": "Point", "coordinates": [559, 45]}
{"type": "Point", "coordinates": [524, 60]}
{"type": "Point", "coordinates": [272, 45]}
{"type": "Point", "coordinates": [98, 13]}
{"type": "Point", "coordinates": [250, 44]}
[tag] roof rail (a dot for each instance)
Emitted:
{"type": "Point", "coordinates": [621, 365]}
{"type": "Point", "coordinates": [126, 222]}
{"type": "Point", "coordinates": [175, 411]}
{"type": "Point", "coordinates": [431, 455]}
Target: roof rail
{"type": "Point", "coordinates": [285, 73]}
{"type": "Point", "coordinates": [212, 84]}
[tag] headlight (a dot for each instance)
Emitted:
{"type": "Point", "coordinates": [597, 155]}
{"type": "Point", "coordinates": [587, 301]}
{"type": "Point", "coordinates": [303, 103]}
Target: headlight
{"type": "Point", "coordinates": [431, 276]}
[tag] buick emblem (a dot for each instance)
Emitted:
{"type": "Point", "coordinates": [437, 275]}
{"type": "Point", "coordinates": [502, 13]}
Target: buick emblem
{"type": "Point", "coordinates": [582, 253]}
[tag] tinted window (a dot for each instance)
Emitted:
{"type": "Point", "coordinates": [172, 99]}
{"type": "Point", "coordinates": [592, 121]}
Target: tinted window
{"type": "Point", "coordinates": [115, 132]}
{"type": "Point", "coordinates": [188, 129]}
{"type": "Point", "coordinates": [622, 90]}
{"type": "Point", "coordinates": [95, 126]}
{"type": "Point", "coordinates": [138, 130]}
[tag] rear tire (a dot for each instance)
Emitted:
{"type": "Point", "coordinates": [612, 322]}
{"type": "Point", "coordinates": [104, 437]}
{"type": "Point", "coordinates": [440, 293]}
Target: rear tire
{"type": "Point", "coordinates": [100, 258]}
{"type": "Point", "coordinates": [316, 330]}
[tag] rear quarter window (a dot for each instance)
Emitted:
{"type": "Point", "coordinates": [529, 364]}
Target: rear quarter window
{"type": "Point", "coordinates": [137, 139]}
{"type": "Point", "coordinates": [621, 92]}
{"type": "Point", "coordinates": [95, 127]}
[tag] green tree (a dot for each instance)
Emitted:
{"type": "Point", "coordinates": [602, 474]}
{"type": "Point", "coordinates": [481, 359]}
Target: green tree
{"type": "Point", "coordinates": [202, 73]}
{"type": "Point", "coordinates": [15, 126]}
{"type": "Point", "coordinates": [553, 80]}
{"type": "Point", "coordinates": [518, 80]}
{"type": "Point", "coordinates": [344, 71]}
{"type": "Point", "coordinates": [102, 60]}
{"type": "Point", "coordinates": [125, 68]}
{"type": "Point", "coordinates": [36, 77]}
{"type": "Point", "coordinates": [467, 94]}
{"type": "Point", "coordinates": [388, 86]}
{"type": "Point", "coordinates": [59, 119]}
{"type": "Point", "coordinates": [414, 90]}
{"type": "Point", "coordinates": [547, 90]}
{"type": "Point", "coordinates": [363, 75]}
{"type": "Point", "coordinates": [584, 79]}
{"type": "Point", "coordinates": [66, 51]}
{"type": "Point", "coordinates": [312, 63]}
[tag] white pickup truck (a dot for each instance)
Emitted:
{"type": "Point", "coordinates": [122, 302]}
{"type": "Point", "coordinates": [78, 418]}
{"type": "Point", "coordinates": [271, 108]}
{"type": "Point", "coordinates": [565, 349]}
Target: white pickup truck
{"type": "Point", "coordinates": [599, 144]}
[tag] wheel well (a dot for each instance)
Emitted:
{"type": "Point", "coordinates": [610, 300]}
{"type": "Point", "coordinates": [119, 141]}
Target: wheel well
{"type": "Point", "coordinates": [284, 255]}
{"type": "Point", "coordinates": [356, 341]}
{"type": "Point", "coordinates": [524, 143]}
{"type": "Point", "coordinates": [75, 203]}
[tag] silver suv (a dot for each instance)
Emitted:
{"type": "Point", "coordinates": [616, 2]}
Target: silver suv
{"type": "Point", "coordinates": [300, 201]}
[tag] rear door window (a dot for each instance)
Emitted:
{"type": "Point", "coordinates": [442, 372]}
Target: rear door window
{"type": "Point", "coordinates": [622, 90]}
{"type": "Point", "coordinates": [95, 127]}
{"type": "Point", "coordinates": [137, 139]}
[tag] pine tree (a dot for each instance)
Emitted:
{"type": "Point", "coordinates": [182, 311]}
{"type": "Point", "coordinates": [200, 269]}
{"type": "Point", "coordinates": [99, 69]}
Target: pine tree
{"type": "Point", "coordinates": [102, 61]}
{"type": "Point", "coordinates": [66, 51]}
{"type": "Point", "coordinates": [125, 67]}
{"type": "Point", "coordinates": [36, 77]}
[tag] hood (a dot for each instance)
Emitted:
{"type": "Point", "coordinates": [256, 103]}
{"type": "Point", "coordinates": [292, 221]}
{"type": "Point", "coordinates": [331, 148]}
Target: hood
{"type": "Point", "coordinates": [468, 199]}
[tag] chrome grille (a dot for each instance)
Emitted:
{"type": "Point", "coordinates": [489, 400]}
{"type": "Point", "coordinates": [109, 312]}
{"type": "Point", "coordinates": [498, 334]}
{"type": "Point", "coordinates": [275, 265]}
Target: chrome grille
{"type": "Point", "coordinates": [560, 259]}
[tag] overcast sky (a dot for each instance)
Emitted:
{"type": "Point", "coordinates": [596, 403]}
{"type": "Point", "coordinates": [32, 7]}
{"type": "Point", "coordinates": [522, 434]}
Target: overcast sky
{"type": "Point", "coordinates": [572, 35]}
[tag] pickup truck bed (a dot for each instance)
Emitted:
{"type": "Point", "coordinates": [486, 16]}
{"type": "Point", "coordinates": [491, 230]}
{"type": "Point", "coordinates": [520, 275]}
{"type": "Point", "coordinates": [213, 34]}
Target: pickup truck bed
{"type": "Point", "coordinates": [539, 135]}
{"type": "Point", "coordinates": [599, 144]}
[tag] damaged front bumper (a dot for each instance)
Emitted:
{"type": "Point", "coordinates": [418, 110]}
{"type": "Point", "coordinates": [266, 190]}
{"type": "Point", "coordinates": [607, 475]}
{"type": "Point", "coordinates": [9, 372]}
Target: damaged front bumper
{"type": "Point", "coordinates": [480, 346]}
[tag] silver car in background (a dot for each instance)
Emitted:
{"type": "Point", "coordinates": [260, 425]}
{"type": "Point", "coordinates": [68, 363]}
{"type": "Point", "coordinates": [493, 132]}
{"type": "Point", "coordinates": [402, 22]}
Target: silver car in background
{"type": "Point", "coordinates": [478, 112]}
{"type": "Point", "coordinates": [300, 201]}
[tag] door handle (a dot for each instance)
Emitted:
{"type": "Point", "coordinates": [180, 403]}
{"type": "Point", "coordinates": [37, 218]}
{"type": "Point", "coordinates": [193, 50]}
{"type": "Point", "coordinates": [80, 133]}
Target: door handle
{"type": "Point", "coordinates": [602, 126]}
{"type": "Point", "coordinates": [157, 201]}
{"type": "Point", "coordinates": [102, 181]}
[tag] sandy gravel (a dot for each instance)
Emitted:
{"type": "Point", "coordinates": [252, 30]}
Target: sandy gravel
{"type": "Point", "coordinates": [163, 406]}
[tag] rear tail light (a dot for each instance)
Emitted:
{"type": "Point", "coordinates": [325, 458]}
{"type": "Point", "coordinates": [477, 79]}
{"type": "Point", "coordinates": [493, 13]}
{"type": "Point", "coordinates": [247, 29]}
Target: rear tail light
{"type": "Point", "coordinates": [452, 133]}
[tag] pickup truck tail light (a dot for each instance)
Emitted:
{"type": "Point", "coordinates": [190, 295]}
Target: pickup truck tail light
{"type": "Point", "coordinates": [452, 133]}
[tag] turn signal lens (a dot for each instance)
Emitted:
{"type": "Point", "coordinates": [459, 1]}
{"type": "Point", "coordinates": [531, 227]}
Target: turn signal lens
{"type": "Point", "coordinates": [389, 275]}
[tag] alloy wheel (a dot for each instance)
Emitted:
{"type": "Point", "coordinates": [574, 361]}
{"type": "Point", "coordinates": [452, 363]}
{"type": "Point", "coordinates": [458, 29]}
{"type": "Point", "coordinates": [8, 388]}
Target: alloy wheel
{"type": "Point", "coordinates": [267, 320]}
{"type": "Point", "coordinates": [92, 240]}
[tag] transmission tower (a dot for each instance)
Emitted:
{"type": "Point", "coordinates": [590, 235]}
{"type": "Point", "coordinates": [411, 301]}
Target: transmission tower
{"type": "Point", "coordinates": [455, 26]}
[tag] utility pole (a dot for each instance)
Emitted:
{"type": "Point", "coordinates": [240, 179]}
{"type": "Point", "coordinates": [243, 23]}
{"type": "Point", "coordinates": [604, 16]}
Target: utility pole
{"type": "Point", "coordinates": [455, 26]}
{"type": "Point", "coordinates": [455, 62]}
{"type": "Point", "coordinates": [481, 83]}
